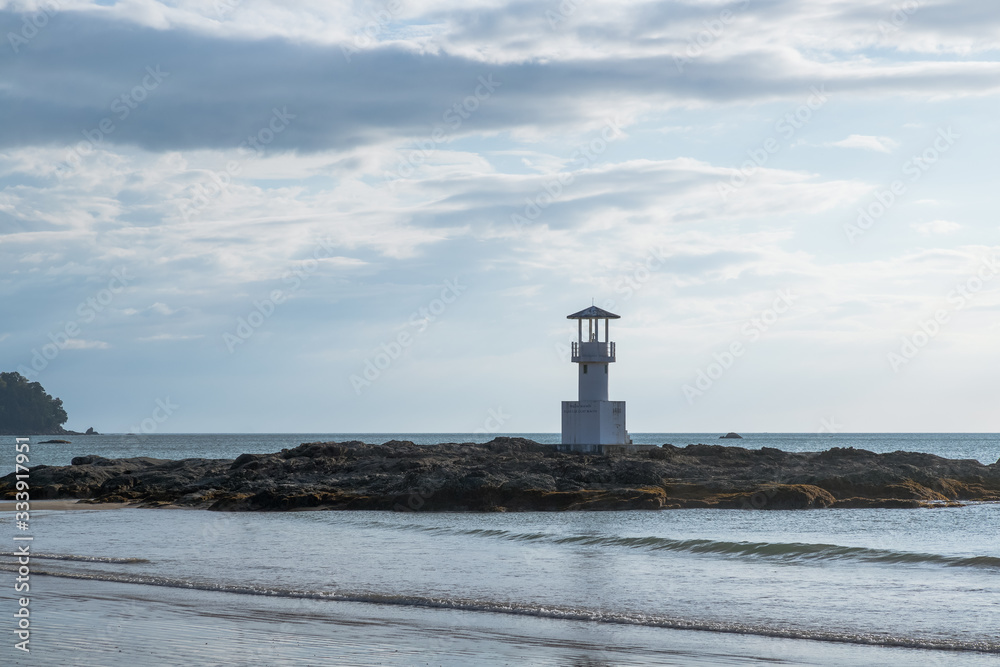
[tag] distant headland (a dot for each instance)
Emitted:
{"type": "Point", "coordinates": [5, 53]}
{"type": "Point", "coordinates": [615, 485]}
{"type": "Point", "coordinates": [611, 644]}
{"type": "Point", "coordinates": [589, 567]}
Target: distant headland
{"type": "Point", "coordinates": [516, 474]}
{"type": "Point", "coordinates": [26, 409]}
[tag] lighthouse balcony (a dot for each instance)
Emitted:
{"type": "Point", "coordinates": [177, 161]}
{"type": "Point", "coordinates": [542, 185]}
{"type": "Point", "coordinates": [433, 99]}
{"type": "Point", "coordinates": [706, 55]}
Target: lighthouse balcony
{"type": "Point", "coordinates": [593, 353]}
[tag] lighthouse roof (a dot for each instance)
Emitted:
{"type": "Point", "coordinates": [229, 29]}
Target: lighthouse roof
{"type": "Point", "coordinates": [593, 313]}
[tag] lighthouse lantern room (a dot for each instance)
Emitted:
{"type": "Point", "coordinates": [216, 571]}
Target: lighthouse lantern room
{"type": "Point", "coordinates": [592, 422]}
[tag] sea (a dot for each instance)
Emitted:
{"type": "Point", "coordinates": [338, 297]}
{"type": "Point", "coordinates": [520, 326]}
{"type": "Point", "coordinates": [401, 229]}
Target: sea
{"type": "Point", "coordinates": [130, 586]}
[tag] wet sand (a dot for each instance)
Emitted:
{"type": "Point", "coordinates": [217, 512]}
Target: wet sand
{"type": "Point", "coordinates": [9, 505]}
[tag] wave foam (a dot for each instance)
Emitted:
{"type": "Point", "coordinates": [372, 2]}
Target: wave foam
{"type": "Point", "coordinates": [83, 559]}
{"type": "Point", "coordinates": [786, 551]}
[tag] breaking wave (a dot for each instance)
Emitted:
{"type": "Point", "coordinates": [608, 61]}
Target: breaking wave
{"type": "Point", "coordinates": [82, 559]}
{"type": "Point", "coordinates": [785, 551]}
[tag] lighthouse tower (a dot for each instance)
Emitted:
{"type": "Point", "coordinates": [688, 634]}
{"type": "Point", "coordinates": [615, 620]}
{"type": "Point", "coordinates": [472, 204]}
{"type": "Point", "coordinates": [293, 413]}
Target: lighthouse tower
{"type": "Point", "coordinates": [592, 422]}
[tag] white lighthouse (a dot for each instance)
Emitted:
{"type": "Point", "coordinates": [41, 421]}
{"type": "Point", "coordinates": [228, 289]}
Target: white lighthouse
{"type": "Point", "coordinates": [592, 422]}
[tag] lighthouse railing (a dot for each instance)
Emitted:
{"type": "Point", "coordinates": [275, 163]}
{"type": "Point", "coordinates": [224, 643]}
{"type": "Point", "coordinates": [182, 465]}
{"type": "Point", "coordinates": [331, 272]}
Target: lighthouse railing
{"type": "Point", "coordinates": [592, 352]}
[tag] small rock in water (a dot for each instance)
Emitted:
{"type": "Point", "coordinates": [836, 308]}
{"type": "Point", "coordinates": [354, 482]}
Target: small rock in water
{"type": "Point", "coordinates": [54, 442]}
{"type": "Point", "coordinates": [731, 435]}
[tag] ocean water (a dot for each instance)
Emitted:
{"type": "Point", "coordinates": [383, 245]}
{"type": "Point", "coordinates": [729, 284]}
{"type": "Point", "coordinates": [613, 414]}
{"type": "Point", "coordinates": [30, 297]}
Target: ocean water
{"type": "Point", "coordinates": [915, 587]}
{"type": "Point", "coordinates": [687, 587]}
{"type": "Point", "coordinates": [984, 447]}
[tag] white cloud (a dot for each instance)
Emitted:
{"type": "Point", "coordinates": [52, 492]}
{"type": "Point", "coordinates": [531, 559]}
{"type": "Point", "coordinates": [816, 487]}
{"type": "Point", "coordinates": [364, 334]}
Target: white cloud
{"type": "Point", "coordinates": [80, 344]}
{"type": "Point", "coordinates": [866, 142]}
{"type": "Point", "coordinates": [936, 227]}
{"type": "Point", "coordinates": [168, 336]}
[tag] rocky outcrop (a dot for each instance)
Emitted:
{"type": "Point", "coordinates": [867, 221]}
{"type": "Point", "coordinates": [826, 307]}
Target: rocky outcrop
{"type": "Point", "coordinates": [731, 436]}
{"type": "Point", "coordinates": [514, 474]}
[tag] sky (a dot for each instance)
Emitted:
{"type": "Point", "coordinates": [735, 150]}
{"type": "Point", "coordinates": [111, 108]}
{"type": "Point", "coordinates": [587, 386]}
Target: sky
{"type": "Point", "coordinates": [253, 216]}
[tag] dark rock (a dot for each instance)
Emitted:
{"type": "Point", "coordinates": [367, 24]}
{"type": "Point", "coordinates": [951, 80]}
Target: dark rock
{"type": "Point", "coordinates": [787, 497]}
{"type": "Point", "coordinates": [54, 442]}
{"type": "Point", "coordinates": [719, 451]}
{"type": "Point", "coordinates": [86, 460]}
{"type": "Point", "coordinates": [731, 435]}
{"type": "Point", "coordinates": [846, 452]}
{"type": "Point", "coordinates": [695, 503]}
{"type": "Point", "coordinates": [399, 443]}
{"type": "Point", "coordinates": [880, 503]}
{"type": "Point", "coordinates": [514, 445]}
{"type": "Point", "coordinates": [91, 431]}
{"type": "Point", "coordinates": [244, 459]}
{"type": "Point", "coordinates": [515, 474]}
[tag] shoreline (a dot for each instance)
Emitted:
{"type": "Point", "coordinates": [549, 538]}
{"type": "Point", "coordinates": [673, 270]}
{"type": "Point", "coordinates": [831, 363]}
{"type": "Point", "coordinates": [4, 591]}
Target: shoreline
{"type": "Point", "coordinates": [516, 474]}
{"type": "Point", "coordinates": [67, 504]}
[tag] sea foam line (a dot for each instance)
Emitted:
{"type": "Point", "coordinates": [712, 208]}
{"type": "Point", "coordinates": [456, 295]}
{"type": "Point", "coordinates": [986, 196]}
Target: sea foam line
{"type": "Point", "coordinates": [556, 612]}
{"type": "Point", "coordinates": [83, 559]}
{"type": "Point", "coordinates": [788, 551]}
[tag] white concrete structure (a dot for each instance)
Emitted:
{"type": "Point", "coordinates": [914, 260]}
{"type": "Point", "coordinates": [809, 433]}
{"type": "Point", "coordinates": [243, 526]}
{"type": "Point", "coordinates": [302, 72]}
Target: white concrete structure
{"type": "Point", "coordinates": [593, 422]}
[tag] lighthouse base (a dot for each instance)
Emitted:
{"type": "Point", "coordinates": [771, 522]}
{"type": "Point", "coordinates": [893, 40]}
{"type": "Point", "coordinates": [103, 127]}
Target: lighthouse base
{"type": "Point", "coordinates": [606, 450]}
{"type": "Point", "coordinates": [593, 425]}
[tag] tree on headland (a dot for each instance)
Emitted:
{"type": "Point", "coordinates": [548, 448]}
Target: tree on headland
{"type": "Point", "coordinates": [25, 408]}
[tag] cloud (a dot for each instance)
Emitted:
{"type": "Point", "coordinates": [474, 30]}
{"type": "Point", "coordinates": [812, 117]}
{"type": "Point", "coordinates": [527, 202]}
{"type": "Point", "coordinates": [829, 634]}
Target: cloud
{"type": "Point", "coordinates": [80, 344]}
{"type": "Point", "coordinates": [866, 142]}
{"type": "Point", "coordinates": [89, 81]}
{"type": "Point", "coordinates": [379, 189]}
{"type": "Point", "coordinates": [168, 336]}
{"type": "Point", "coordinates": [936, 227]}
